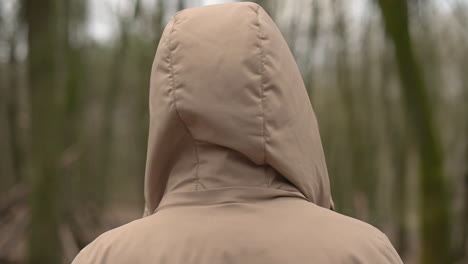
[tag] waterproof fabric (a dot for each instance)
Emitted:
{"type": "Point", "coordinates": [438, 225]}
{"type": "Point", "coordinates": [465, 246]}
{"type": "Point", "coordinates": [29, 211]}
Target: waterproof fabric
{"type": "Point", "coordinates": [235, 168]}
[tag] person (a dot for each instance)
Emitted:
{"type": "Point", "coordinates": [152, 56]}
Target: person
{"type": "Point", "coordinates": [235, 169]}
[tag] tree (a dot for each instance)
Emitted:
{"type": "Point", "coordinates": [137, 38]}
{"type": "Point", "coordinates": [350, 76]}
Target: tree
{"type": "Point", "coordinates": [434, 207]}
{"type": "Point", "coordinates": [45, 34]}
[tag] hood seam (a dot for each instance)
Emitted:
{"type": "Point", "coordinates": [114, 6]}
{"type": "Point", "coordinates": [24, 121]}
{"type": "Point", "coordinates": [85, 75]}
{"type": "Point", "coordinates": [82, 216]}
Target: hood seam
{"type": "Point", "coordinates": [262, 94]}
{"type": "Point", "coordinates": [174, 101]}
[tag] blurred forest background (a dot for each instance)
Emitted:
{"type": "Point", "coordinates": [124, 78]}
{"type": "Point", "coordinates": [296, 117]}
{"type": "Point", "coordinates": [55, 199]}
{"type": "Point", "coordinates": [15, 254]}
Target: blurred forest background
{"type": "Point", "coordinates": [388, 80]}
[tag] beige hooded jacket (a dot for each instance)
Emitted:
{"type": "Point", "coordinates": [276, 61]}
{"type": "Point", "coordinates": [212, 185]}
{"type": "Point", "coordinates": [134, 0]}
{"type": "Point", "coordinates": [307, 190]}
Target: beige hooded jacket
{"type": "Point", "coordinates": [235, 168]}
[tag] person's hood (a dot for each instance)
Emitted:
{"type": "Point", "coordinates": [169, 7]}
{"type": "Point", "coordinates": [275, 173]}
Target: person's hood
{"type": "Point", "coordinates": [228, 108]}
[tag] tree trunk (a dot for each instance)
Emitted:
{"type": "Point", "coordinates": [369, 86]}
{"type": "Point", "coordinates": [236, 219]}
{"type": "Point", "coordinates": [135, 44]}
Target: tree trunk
{"type": "Point", "coordinates": [434, 210]}
{"type": "Point", "coordinates": [44, 44]}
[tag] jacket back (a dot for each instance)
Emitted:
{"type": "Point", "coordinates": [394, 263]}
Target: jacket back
{"type": "Point", "coordinates": [235, 169]}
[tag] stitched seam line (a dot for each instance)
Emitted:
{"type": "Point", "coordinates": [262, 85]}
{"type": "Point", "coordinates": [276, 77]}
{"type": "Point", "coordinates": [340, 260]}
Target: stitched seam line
{"type": "Point", "coordinates": [174, 101]}
{"type": "Point", "coordinates": [262, 86]}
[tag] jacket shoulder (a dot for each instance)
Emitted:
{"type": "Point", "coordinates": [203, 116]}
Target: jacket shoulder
{"type": "Point", "coordinates": [94, 252]}
{"type": "Point", "coordinates": [99, 250]}
{"type": "Point", "coordinates": [361, 241]}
